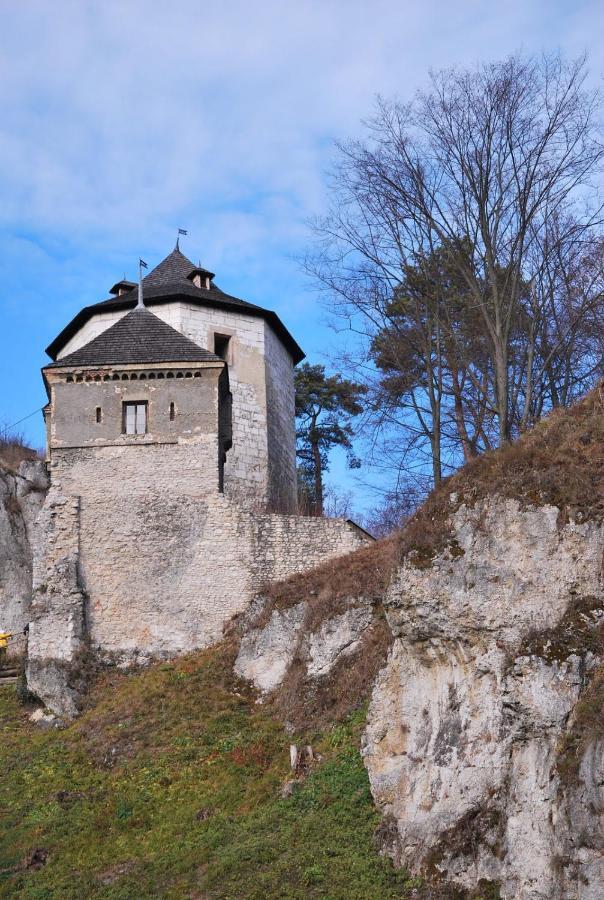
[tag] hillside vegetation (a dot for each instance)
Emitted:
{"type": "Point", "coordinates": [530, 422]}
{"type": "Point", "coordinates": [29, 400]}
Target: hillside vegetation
{"type": "Point", "coordinates": [560, 462]}
{"type": "Point", "coordinates": [170, 785]}
{"type": "Point", "coordinates": [14, 450]}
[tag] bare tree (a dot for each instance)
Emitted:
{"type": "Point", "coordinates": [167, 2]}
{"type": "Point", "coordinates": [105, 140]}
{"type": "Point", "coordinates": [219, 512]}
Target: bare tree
{"type": "Point", "coordinates": [491, 170]}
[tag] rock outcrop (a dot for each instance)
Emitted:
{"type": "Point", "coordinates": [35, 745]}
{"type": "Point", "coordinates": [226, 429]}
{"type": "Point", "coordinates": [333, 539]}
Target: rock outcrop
{"type": "Point", "coordinates": [267, 652]}
{"type": "Point", "coordinates": [314, 644]}
{"type": "Point", "coordinates": [484, 740]}
{"type": "Point", "coordinates": [473, 722]}
{"type": "Point", "coordinates": [22, 494]}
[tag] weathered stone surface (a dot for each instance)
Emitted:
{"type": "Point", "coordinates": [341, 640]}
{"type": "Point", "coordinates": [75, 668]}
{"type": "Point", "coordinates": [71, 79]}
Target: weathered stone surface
{"type": "Point", "coordinates": [21, 497]}
{"type": "Point", "coordinates": [261, 466]}
{"type": "Point", "coordinates": [464, 724]}
{"type": "Point", "coordinates": [57, 630]}
{"type": "Point", "coordinates": [339, 636]}
{"type": "Point", "coordinates": [266, 653]}
{"type": "Point", "coordinates": [156, 561]}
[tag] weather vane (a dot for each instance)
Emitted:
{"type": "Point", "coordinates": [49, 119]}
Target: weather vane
{"type": "Point", "coordinates": [180, 231]}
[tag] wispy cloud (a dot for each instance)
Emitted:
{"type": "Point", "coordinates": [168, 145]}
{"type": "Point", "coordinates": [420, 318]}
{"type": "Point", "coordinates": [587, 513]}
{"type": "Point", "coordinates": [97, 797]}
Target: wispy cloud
{"type": "Point", "coordinates": [123, 119]}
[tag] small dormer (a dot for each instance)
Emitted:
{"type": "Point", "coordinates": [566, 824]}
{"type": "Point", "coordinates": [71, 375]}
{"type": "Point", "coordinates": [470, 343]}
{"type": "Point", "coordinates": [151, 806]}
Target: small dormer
{"type": "Point", "coordinates": [122, 287]}
{"type": "Point", "coordinates": [201, 278]}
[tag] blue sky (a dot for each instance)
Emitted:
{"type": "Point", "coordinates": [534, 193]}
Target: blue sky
{"type": "Point", "coordinates": [121, 121]}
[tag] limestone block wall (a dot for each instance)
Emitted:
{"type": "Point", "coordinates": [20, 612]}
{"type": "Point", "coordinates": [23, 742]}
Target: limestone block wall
{"type": "Point", "coordinates": [260, 467]}
{"type": "Point", "coordinates": [281, 425]}
{"type": "Point", "coordinates": [163, 561]}
{"type": "Point", "coordinates": [246, 469]}
{"type": "Point", "coordinates": [286, 545]}
{"type": "Point", "coordinates": [58, 613]}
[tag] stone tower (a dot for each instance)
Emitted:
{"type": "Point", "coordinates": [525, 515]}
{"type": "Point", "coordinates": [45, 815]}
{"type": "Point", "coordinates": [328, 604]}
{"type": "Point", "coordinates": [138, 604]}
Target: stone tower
{"type": "Point", "coordinates": [259, 352]}
{"type": "Point", "coordinates": [172, 499]}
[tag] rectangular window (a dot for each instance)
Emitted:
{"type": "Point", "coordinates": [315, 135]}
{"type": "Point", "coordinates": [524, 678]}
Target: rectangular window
{"type": "Point", "coordinates": [134, 418]}
{"type": "Point", "coordinates": [222, 346]}
{"type": "Point", "coordinates": [172, 412]}
{"type": "Point", "coordinates": [99, 415]}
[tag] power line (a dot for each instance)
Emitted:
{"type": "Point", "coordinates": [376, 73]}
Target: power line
{"type": "Point", "coordinates": [24, 419]}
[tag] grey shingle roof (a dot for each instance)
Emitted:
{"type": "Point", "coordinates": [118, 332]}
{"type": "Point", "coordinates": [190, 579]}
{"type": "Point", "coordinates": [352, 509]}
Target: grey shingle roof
{"type": "Point", "coordinates": [175, 267]}
{"type": "Point", "coordinates": [139, 337]}
{"type": "Point", "coordinates": [168, 282]}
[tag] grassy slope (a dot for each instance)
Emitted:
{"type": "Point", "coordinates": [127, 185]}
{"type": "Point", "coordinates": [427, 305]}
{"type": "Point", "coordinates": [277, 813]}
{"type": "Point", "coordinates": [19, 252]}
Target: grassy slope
{"type": "Point", "coordinates": [170, 786]}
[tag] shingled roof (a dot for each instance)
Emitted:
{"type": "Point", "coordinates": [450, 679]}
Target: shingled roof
{"type": "Point", "coordinates": [167, 282]}
{"type": "Point", "coordinates": [139, 337]}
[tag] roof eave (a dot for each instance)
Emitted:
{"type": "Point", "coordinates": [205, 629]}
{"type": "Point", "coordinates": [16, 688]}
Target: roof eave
{"type": "Point", "coordinates": [55, 347]}
{"type": "Point", "coordinates": [175, 364]}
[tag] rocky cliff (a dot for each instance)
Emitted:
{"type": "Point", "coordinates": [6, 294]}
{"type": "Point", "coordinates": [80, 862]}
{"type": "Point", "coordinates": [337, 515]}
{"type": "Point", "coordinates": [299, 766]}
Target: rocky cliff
{"type": "Point", "coordinates": [485, 734]}
{"type": "Point", "coordinates": [22, 492]}
{"type": "Point", "coordinates": [474, 743]}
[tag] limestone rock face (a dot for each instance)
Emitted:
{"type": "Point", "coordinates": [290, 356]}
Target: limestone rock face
{"type": "Point", "coordinates": [21, 497]}
{"type": "Point", "coordinates": [337, 637]}
{"type": "Point", "coordinates": [266, 652]}
{"type": "Point", "coordinates": [492, 653]}
{"type": "Point", "coordinates": [57, 630]}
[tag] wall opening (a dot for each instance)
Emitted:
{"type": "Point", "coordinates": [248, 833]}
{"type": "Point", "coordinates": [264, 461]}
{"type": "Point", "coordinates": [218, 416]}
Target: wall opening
{"type": "Point", "coordinates": [99, 415]}
{"type": "Point", "coordinates": [134, 418]}
{"type": "Point", "coordinates": [172, 412]}
{"type": "Point", "coordinates": [222, 346]}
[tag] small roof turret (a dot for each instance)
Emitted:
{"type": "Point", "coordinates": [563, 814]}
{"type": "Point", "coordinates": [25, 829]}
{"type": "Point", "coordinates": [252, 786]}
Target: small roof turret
{"type": "Point", "coordinates": [122, 287]}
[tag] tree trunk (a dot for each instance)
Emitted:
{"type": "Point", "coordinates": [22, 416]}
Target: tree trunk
{"type": "Point", "coordinates": [501, 377]}
{"type": "Point", "coordinates": [316, 455]}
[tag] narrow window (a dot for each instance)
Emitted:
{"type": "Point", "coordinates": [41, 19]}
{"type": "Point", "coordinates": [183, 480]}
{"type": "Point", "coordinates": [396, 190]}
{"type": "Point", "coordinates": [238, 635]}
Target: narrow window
{"type": "Point", "coordinates": [222, 346]}
{"type": "Point", "coordinates": [172, 411]}
{"type": "Point", "coordinates": [134, 418]}
{"type": "Point", "coordinates": [99, 415]}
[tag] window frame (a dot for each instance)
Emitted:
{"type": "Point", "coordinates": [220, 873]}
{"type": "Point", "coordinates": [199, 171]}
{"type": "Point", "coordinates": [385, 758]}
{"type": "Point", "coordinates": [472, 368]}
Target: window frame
{"type": "Point", "coordinates": [136, 404]}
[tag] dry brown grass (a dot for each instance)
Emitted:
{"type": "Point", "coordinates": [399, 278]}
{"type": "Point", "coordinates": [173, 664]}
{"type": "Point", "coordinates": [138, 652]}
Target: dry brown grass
{"type": "Point", "coordinates": [559, 462]}
{"type": "Point", "coordinates": [13, 451]}
{"type": "Point", "coordinates": [308, 704]}
{"type": "Point", "coordinates": [364, 573]}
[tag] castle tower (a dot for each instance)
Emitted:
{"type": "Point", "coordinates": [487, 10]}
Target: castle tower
{"type": "Point", "coordinates": [172, 500]}
{"type": "Point", "coordinates": [260, 354]}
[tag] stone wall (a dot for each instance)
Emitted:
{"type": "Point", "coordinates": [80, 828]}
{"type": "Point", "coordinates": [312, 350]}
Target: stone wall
{"type": "Point", "coordinates": [260, 467]}
{"type": "Point", "coordinates": [246, 469]}
{"type": "Point", "coordinates": [285, 545]}
{"type": "Point", "coordinates": [164, 560]}
{"type": "Point", "coordinates": [281, 424]}
{"type": "Point", "coordinates": [21, 496]}
{"type": "Point", "coordinates": [89, 411]}
{"type": "Point", "coordinates": [58, 616]}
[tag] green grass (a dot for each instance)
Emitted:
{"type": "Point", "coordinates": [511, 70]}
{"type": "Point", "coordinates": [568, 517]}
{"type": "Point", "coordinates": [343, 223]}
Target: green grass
{"type": "Point", "coordinates": [170, 786]}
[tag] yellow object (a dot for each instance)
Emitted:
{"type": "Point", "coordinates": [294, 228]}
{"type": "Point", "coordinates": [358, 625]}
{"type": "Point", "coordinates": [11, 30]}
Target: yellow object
{"type": "Point", "coordinates": [5, 636]}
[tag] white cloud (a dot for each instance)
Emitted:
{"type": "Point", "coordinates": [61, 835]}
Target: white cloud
{"type": "Point", "coordinates": [119, 117]}
{"type": "Point", "coordinates": [123, 119]}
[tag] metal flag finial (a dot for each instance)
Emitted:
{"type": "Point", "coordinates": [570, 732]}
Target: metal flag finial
{"type": "Point", "coordinates": [180, 231]}
{"type": "Point", "coordinates": [141, 265]}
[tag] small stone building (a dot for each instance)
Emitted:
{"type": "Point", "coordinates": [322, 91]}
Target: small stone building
{"type": "Point", "coordinates": [171, 454]}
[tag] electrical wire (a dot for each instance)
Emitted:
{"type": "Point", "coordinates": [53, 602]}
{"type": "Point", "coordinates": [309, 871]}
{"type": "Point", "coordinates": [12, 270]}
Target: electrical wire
{"type": "Point", "coordinates": [24, 419]}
